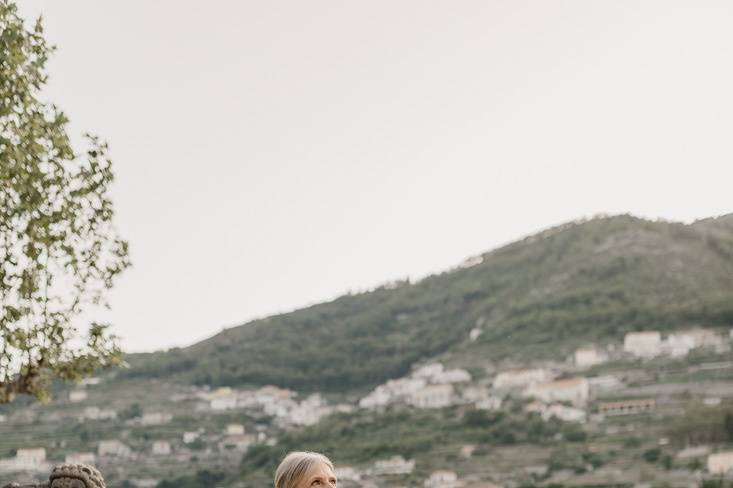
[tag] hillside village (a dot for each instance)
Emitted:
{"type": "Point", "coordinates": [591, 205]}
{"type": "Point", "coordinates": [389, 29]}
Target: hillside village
{"type": "Point", "coordinates": [256, 157]}
{"type": "Point", "coordinates": [593, 354]}
{"type": "Point", "coordinates": [595, 389]}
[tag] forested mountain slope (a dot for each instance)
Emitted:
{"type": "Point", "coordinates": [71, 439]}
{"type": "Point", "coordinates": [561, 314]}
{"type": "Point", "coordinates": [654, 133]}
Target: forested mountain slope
{"type": "Point", "coordinates": [540, 296]}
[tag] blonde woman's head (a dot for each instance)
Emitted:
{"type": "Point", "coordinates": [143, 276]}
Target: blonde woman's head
{"type": "Point", "coordinates": [305, 470]}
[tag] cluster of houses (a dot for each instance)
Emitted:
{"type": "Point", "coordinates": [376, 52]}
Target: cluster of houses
{"type": "Point", "coordinates": [719, 464]}
{"type": "Point", "coordinates": [565, 399]}
{"type": "Point", "coordinates": [433, 386]}
{"type": "Point", "coordinates": [26, 460]}
{"type": "Point", "coordinates": [233, 438]}
{"type": "Point", "coordinates": [396, 465]}
{"type": "Point", "coordinates": [650, 344]}
{"type": "Point", "coordinates": [430, 386]}
{"type": "Point", "coordinates": [280, 403]}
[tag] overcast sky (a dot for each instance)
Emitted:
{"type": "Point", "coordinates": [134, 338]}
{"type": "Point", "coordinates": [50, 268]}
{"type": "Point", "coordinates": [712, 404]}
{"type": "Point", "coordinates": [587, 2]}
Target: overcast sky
{"type": "Point", "coordinates": [271, 155]}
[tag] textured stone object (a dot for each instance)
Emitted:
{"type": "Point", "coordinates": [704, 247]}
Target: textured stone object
{"type": "Point", "coordinates": [69, 476]}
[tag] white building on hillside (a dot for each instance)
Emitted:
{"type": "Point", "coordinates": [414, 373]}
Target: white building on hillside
{"type": "Point", "coordinates": [275, 401]}
{"type": "Point", "coordinates": [223, 403]}
{"type": "Point", "coordinates": [189, 437]}
{"type": "Point", "coordinates": [405, 386]}
{"type": "Point", "coordinates": [379, 397]}
{"type": "Point", "coordinates": [720, 463]}
{"type": "Point", "coordinates": [236, 443]}
{"type": "Point", "coordinates": [586, 357]}
{"type": "Point", "coordinates": [427, 371]}
{"type": "Point", "coordinates": [489, 403]}
{"type": "Point", "coordinates": [26, 460]}
{"type": "Point", "coordinates": [161, 448]}
{"type": "Point", "coordinates": [155, 418]}
{"type": "Point", "coordinates": [76, 396]}
{"type": "Point", "coordinates": [681, 342]}
{"type": "Point", "coordinates": [433, 396]}
{"type": "Point", "coordinates": [310, 411]}
{"type": "Point", "coordinates": [604, 383]}
{"type": "Point", "coordinates": [705, 337]}
{"type": "Point", "coordinates": [566, 414]}
{"type": "Point", "coordinates": [234, 429]}
{"type": "Point", "coordinates": [679, 345]}
{"type": "Point", "coordinates": [481, 398]}
{"type": "Point", "coordinates": [452, 376]}
{"type": "Point", "coordinates": [81, 458]}
{"type": "Point", "coordinates": [474, 334]}
{"type": "Point", "coordinates": [93, 381]}
{"type": "Point", "coordinates": [441, 479]}
{"type": "Point", "coordinates": [223, 391]}
{"type": "Point", "coordinates": [113, 448]}
{"type": "Point", "coordinates": [520, 378]}
{"type": "Point", "coordinates": [270, 394]}
{"type": "Point", "coordinates": [347, 473]}
{"type": "Point", "coordinates": [33, 457]}
{"type": "Point", "coordinates": [472, 394]}
{"type": "Point", "coordinates": [96, 413]}
{"type": "Point", "coordinates": [393, 465]}
{"type": "Point", "coordinates": [279, 408]}
{"type": "Point", "coordinates": [645, 345]}
{"type": "Point", "coordinates": [392, 391]}
{"type": "Point", "coordinates": [573, 390]}
{"type": "Point", "coordinates": [436, 373]}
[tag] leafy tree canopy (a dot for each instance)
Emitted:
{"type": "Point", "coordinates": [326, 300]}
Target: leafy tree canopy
{"type": "Point", "coordinates": [59, 251]}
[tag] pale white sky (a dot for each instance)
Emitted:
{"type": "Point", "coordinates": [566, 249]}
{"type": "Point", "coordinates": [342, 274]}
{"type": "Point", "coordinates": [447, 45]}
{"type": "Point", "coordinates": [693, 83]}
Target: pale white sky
{"type": "Point", "coordinates": [271, 155]}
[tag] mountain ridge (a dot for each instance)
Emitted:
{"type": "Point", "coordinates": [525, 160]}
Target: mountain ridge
{"type": "Point", "coordinates": [617, 273]}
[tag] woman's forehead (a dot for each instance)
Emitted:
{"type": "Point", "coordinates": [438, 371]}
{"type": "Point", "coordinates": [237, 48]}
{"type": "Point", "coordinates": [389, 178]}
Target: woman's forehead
{"type": "Point", "coordinates": [320, 469]}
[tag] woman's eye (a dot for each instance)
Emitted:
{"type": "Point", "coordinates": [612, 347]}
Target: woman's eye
{"type": "Point", "coordinates": [316, 482]}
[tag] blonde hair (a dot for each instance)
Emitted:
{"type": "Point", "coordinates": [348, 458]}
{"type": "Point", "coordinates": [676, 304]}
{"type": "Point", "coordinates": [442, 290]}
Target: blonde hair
{"type": "Point", "coordinates": [296, 465]}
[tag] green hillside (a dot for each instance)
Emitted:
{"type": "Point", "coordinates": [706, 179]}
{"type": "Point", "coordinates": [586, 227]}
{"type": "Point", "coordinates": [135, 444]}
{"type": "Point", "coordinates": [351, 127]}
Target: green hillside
{"type": "Point", "coordinates": [538, 297]}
